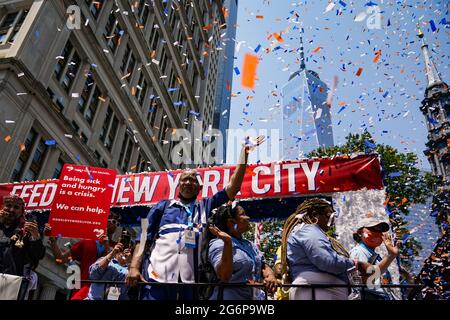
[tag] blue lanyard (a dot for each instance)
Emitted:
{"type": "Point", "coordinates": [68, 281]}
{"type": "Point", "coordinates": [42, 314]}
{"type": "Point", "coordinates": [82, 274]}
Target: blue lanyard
{"type": "Point", "coordinates": [249, 251]}
{"type": "Point", "coordinates": [189, 209]}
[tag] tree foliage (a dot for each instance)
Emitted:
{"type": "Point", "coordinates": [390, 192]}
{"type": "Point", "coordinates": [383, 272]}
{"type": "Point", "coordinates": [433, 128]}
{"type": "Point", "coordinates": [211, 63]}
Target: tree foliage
{"type": "Point", "coordinates": [270, 238]}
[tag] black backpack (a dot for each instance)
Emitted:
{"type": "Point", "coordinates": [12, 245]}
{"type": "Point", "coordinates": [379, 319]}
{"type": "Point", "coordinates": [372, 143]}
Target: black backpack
{"type": "Point", "coordinates": [206, 272]}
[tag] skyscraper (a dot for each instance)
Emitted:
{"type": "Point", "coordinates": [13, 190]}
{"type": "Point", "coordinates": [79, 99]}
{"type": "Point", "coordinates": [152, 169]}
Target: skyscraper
{"type": "Point", "coordinates": [306, 118]}
{"type": "Point", "coordinates": [225, 75]}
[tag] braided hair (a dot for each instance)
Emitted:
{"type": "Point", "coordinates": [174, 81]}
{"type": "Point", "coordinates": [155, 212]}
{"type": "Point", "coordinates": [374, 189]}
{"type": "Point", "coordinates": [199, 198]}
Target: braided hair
{"type": "Point", "coordinates": [307, 213]}
{"type": "Point", "coordinates": [221, 215]}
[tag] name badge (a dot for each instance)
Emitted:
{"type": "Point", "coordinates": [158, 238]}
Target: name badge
{"type": "Point", "coordinates": [113, 294]}
{"type": "Point", "coordinates": [189, 239]}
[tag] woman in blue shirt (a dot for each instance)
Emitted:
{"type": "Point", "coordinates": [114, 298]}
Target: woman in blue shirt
{"type": "Point", "coordinates": [312, 256]}
{"type": "Point", "coordinates": [235, 259]}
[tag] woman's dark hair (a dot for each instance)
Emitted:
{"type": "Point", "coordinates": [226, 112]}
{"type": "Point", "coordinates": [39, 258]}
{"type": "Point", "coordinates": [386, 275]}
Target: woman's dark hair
{"type": "Point", "coordinates": [222, 214]}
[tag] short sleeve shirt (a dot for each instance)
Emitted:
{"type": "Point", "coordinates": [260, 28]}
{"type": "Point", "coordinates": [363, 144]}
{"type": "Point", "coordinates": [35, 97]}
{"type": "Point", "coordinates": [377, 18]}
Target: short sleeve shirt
{"type": "Point", "coordinates": [245, 266]}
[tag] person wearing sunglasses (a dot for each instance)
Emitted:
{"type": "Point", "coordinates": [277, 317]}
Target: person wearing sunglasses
{"type": "Point", "coordinates": [371, 233]}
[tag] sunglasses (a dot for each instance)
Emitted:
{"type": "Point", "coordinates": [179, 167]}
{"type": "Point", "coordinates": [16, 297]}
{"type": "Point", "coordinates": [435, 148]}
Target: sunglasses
{"type": "Point", "coordinates": [114, 221]}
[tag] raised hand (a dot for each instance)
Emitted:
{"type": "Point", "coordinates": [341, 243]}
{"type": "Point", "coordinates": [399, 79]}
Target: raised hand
{"type": "Point", "coordinates": [225, 237]}
{"type": "Point", "coordinates": [117, 248]}
{"type": "Point", "coordinates": [391, 249]}
{"type": "Point", "coordinates": [251, 144]}
{"type": "Point", "coordinates": [32, 228]}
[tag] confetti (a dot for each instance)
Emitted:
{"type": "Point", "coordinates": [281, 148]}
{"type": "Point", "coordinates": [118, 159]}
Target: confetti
{"type": "Point", "coordinates": [395, 174]}
{"type": "Point", "coordinates": [318, 113]}
{"type": "Point", "coordinates": [433, 26]}
{"type": "Point", "coordinates": [257, 48]}
{"type": "Point", "coordinates": [250, 172]}
{"type": "Point", "coordinates": [194, 113]}
{"type": "Point", "coordinates": [358, 73]}
{"type": "Point", "coordinates": [369, 144]}
{"type": "Point", "coordinates": [50, 142]}
{"type": "Point", "coordinates": [329, 7]}
{"type": "Point", "coordinates": [317, 49]}
{"type": "Point", "coordinates": [9, 121]}
{"type": "Point", "coordinates": [259, 17]}
{"type": "Point", "coordinates": [8, 138]}
{"type": "Point", "coordinates": [377, 56]}
{"type": "Point", "coordinates": [249, 72]}
{"type": "Point", "coordinates": [22, 147]}
{"type": "Point", "coordinates": [236, 70]}
{"type": "Point", "coordinates": [361, 16]}
{"type": "Point", "coordinates": [278, 37]}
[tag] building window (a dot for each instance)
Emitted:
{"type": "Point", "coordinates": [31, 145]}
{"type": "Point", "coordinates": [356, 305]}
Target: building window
{"type": "Point", "coordinates": [95, 6]}
{"type": "Point", "coordinates": [141, 10]}
{"type": "Point", "coordinates": [142, 88]}
{"type": "Point", "coordinates": [24, 155]}
{"type": "Point", "coordinates": [10, 26]}
{"type": "Point", "coordinates": [97, 155]}
{"type": "Point", "coordinates": [163, 63]}
{"type": "Point", "coordinates": [140, 164]}
{"type": "Point", "coordinates": [67, 66]}
{"type": "Point", "coordinates": [83, 137]}
{"type": "Point", "coordinates": [109, 129]}
{"type": "Point", "coordinates": [128, 63]}
{"type": "Point", "coordinates": [152, 110]}
{"type": "Point", "coordinates": [154, 39]}
{"type": "Point", "coordinates": [125, 153]}
{"type": "Point", "coordinates": [35, 148]}
{"type": "Point", "coordinates": [89, 101]}
{"type": "Point", "coordinates": [58, 169]}
{"type": "Point", "coordinates": [112, 32]}
{"type": "Point", "coordinates": [162, 129]}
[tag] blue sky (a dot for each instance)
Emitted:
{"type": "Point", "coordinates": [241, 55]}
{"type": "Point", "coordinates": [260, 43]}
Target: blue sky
{"type": "Point", "coordinates": [384, 99]}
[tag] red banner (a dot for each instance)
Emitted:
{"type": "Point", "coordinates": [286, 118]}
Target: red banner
{"type": "Point", "coordinates": [281, 179]}
{"type": "Point", "coordinates": [81, 205]}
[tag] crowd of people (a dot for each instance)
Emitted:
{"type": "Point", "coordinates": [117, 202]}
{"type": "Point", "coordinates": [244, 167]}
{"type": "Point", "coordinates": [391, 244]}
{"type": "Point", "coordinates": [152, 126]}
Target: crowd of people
{"type": "Point", "coordinates": [187, 238]}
